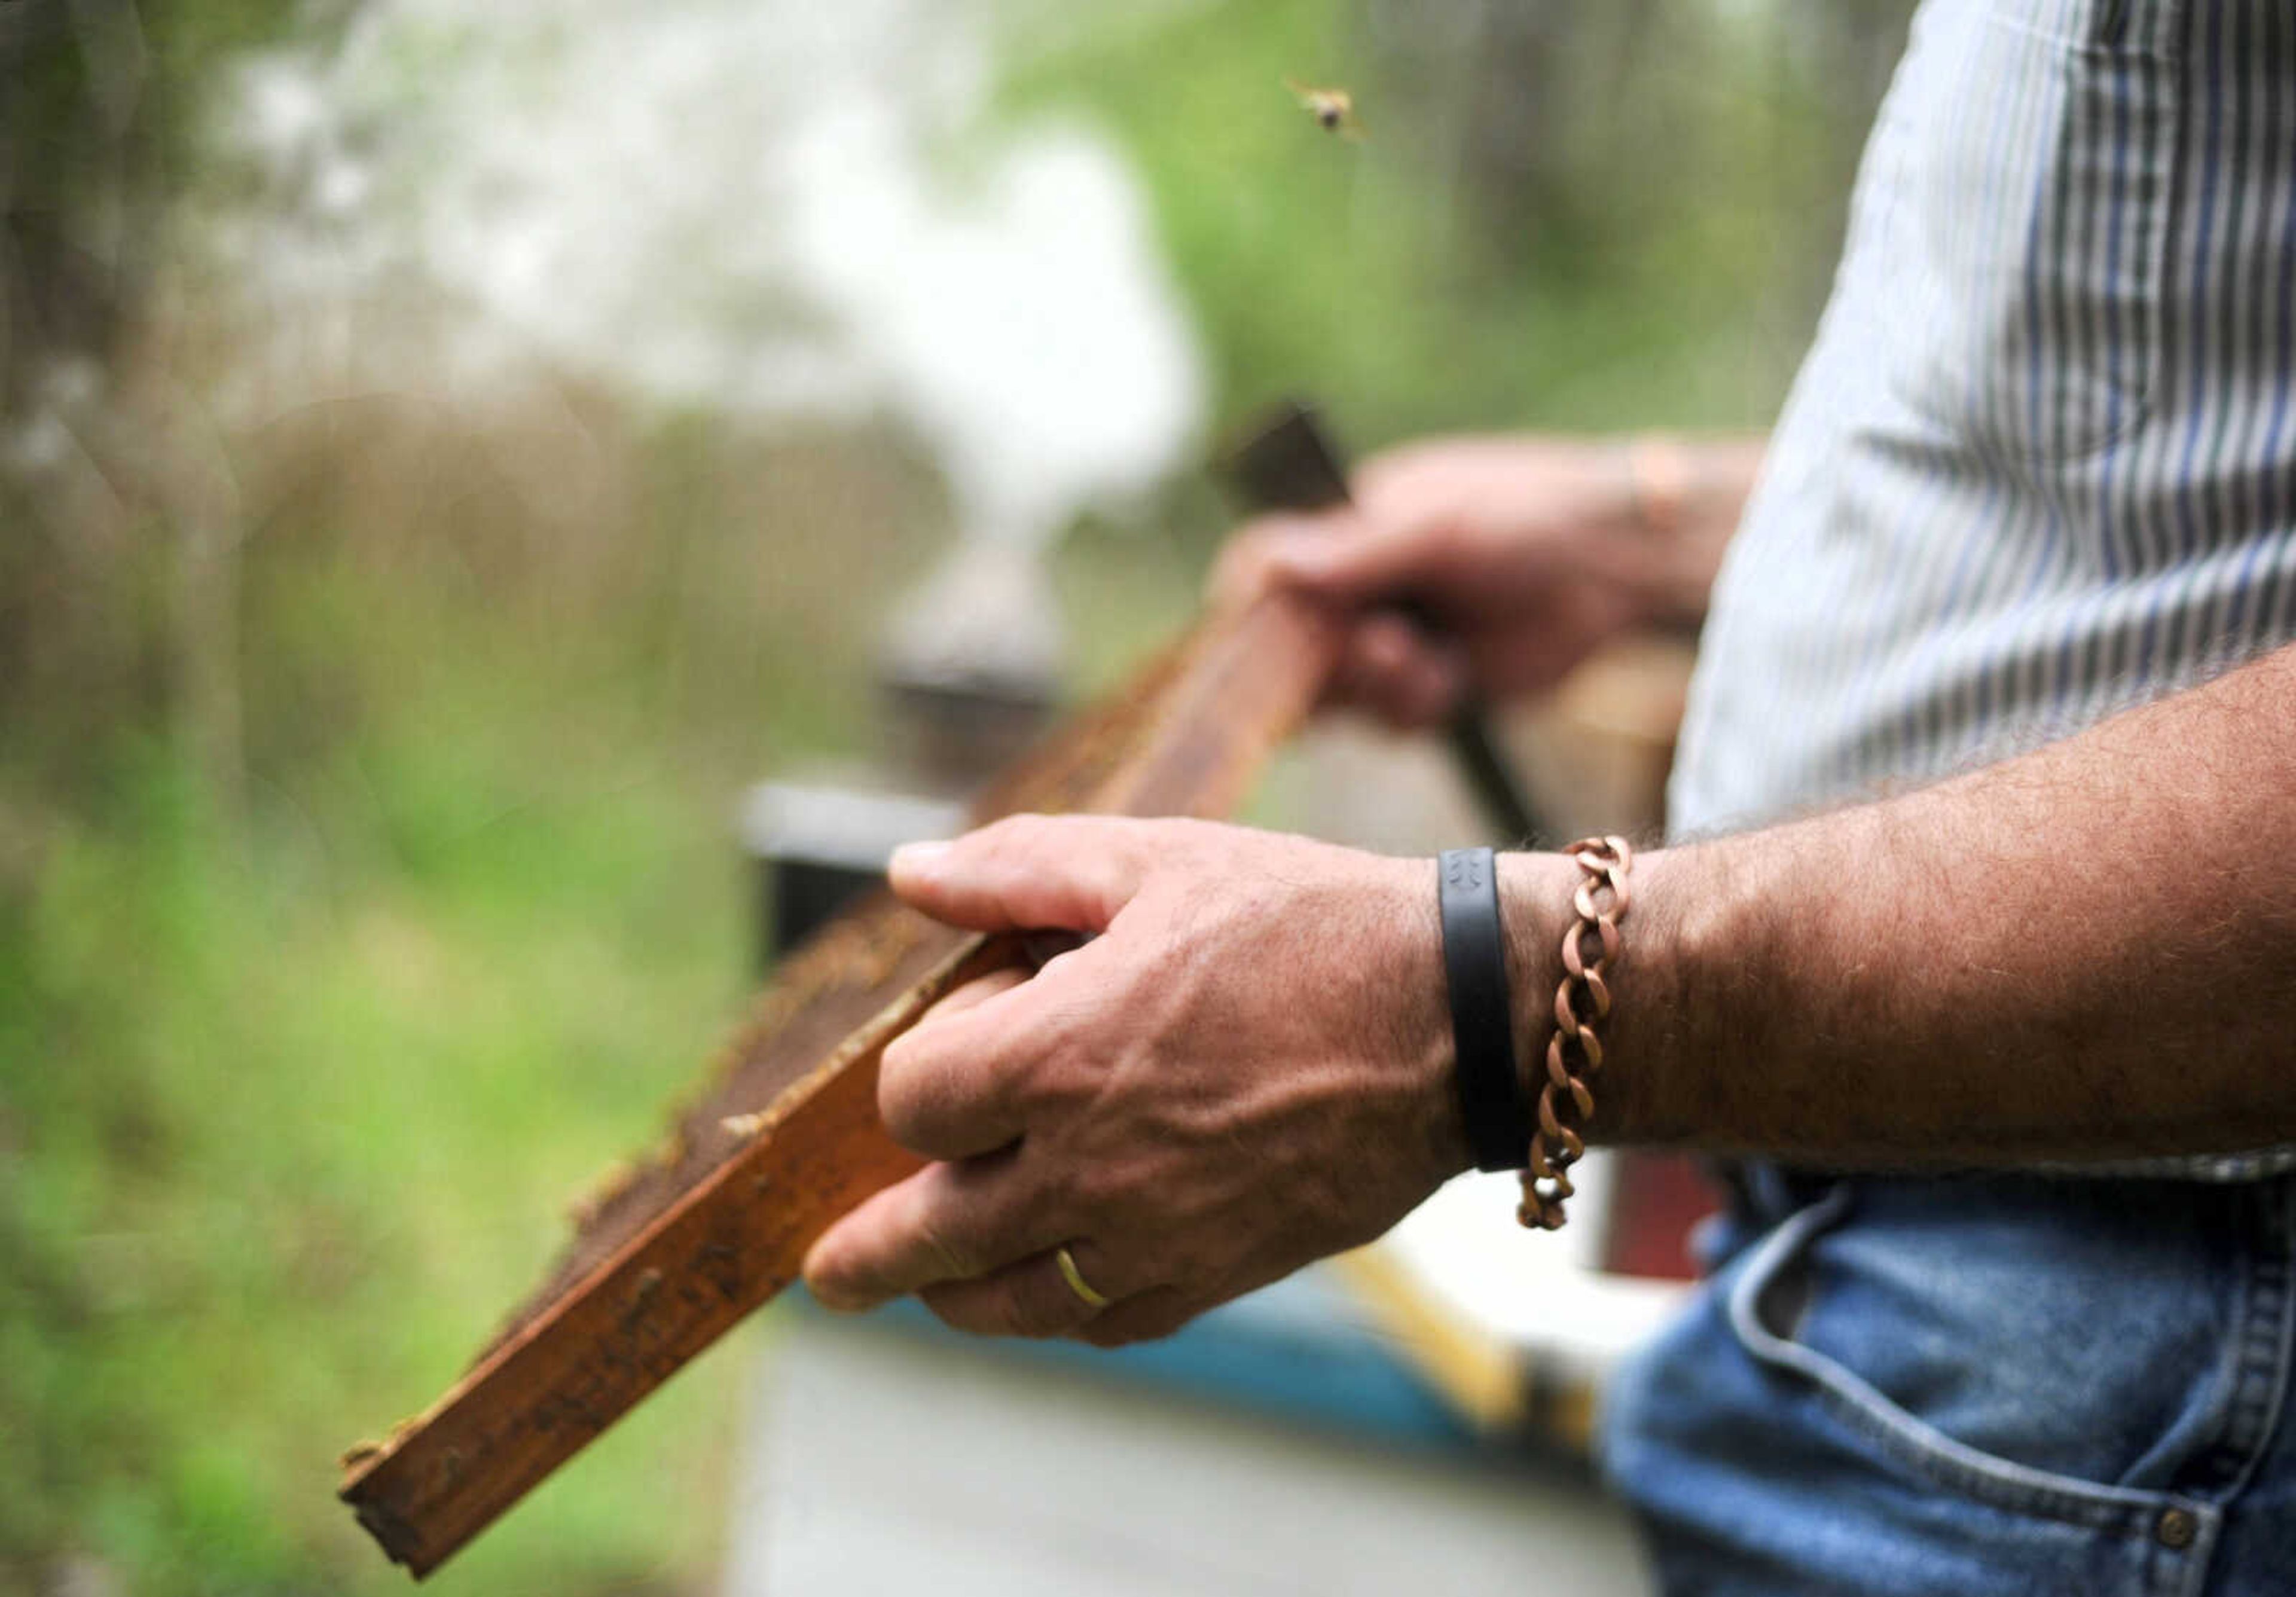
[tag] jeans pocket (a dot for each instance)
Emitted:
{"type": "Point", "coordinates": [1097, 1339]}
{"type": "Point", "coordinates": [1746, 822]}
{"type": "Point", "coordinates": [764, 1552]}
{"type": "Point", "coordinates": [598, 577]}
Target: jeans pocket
{"type": "Point", "coordinates": [1788, 1309]}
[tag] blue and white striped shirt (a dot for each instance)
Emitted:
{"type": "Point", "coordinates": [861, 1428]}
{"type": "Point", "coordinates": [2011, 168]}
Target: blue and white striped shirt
{"type": "Point", "coordinates": [2041, 459]}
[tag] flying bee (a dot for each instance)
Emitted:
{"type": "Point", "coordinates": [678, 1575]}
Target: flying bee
{"type": "Point", "coordinates": [1334, 110]}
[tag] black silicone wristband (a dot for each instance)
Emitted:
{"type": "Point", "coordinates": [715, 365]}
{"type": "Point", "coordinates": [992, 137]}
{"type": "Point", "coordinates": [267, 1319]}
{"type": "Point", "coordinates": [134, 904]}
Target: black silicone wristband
{"type": "Point", "coordinates": [1482, 1018]}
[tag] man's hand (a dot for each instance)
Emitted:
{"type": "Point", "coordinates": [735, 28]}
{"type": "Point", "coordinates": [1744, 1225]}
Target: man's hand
{"type": "Point", "coordinates": [1247, 1068]}
{"type": "Point", "coordinates": [1530, 553]}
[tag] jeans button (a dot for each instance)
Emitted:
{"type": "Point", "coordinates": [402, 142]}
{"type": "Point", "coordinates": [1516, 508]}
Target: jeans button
{"type": "Point", "coordinates": [2176, 1527]}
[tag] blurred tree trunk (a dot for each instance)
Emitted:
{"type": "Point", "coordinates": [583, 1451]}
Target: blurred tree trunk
{"type": "Point", "coordinates": [78, 196]}
{"type": "Point", "coordinates": [118, 522]}
{"type": "Point", "coordinates": [1542, 119]}
{"type": "Point", "coordinates": [72, 607]}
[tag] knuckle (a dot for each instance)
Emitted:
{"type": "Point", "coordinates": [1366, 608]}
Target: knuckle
{"type": "Point", "coordinates": [1245, 553]}
{"type": "Point", "coordinates": [896, 1088]}
{"type": "Point", "coordinates": [1019, 1314]}
{"type": "Point", "coordinates": [932, 1102]}
{"type": "Point", "coordinates": [1093, 1195]}
{"type": "Point", "coordinates": [906, 1095]}
{"type": "Point", "coordinates": [906, 1123]}
{"type": "Point", "coordinates": [1017, 838]}
{"type": "Point", "coordinates": [948, 1260]}
{"type": "Point", "coordinates": [1386, 476]}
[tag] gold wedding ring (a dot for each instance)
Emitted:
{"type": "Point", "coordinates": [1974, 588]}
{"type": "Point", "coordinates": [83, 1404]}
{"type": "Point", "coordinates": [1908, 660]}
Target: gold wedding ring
{"type": "Point", "coordinates": [1075, 1278]}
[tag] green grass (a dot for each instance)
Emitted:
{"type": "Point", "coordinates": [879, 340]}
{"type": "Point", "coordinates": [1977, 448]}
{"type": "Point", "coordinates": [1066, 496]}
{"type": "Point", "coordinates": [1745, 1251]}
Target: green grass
{"type": "Point", "coordinates": [281, 1143]}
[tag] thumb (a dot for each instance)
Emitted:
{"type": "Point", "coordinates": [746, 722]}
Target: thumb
{"type": "Point", "coordinates": [1069, 872]}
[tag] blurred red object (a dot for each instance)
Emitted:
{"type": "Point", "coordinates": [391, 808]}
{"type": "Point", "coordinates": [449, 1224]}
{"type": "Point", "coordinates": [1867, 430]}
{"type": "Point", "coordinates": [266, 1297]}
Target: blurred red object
{"type": "Point", "coordinates": [1655, 1199]}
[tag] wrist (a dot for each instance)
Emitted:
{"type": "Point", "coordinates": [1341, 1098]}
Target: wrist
{"type": "Point", "coordinates": [1682, 499]}
{"type": "Point", "coordinates": [1632, 1104]}
{"type": "Point", "coordinates": [1535, 892]}
{"type": "Point", "coordinates": [1418, 1024]}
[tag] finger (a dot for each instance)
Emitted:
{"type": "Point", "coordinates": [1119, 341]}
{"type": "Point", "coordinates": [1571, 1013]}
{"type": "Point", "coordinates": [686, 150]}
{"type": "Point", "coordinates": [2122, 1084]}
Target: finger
{"type": "Point", "coordinates": [1351, 558]}
{"type": "Point", "coordinates": [1142, 1317]}
{"type": "Point", "coordinates": [946, 1223]}
{"type": "Point", "coordinates": [973, 995]}
{"type": "Point", "coordinates": [1393, 670]}
{"type": "Point", "coordinates": [1025, 873]}
{"type": "Point", "coordinates": [1250, 566]}
{"type": "Point", "coordinates": [1029, 1299]}
{"type": "Point", "coordinates": [946, 1086]}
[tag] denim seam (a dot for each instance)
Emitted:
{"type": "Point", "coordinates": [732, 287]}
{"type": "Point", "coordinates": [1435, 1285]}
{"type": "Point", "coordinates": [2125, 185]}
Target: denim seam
{"type": "Point", "coordinates": [1920, 1446]}
{"type": "Point", "coordinates": [2266, 1343]}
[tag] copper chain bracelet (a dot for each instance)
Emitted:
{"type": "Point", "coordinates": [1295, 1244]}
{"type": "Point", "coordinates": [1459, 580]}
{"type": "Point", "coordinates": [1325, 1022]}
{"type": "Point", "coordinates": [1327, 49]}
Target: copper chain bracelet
{"type": "Point", "coordinates": [1582, 1001]}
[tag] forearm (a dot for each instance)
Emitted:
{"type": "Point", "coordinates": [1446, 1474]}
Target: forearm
{"type": "Point", "coordinates": [2089, 952]}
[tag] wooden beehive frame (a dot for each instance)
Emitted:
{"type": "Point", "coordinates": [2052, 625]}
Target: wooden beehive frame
{"type": "Point", "coordinates": [785, 1138]}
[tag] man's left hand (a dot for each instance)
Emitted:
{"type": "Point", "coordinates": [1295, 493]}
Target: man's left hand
{"type": "Point", "coordinates": [1246, 1067]}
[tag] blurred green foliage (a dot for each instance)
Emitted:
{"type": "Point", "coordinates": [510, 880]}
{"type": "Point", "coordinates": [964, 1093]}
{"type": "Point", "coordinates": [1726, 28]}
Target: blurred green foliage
{"type": "Point", "coordinates": [365, 882]}
{"type": "Point", "coordinates": [1570, 216]}
{"type": "Point", "coordinates": [280, 1129]}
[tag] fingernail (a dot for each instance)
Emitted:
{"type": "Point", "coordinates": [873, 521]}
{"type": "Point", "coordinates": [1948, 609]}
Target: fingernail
{"type": "Point", "coordinates": [918, 859]}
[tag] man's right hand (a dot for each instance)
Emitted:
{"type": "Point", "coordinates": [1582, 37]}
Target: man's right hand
{"type": "Point", "coordinates": [1529, 552]}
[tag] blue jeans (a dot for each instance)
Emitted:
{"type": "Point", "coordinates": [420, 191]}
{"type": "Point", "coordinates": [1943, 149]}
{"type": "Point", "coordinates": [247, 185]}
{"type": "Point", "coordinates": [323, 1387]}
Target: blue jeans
{"type": "Point", "coordinates": [1974, 1385]}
